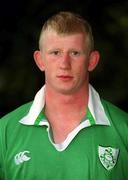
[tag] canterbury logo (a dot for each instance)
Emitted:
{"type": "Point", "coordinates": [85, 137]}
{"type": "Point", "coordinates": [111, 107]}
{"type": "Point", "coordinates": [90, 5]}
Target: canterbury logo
{"type": "Point", "coordinates": [21, 157]}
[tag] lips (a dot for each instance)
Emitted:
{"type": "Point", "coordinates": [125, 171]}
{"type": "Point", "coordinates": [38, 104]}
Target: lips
{"type": "Point", "coordinates": [65, 77]}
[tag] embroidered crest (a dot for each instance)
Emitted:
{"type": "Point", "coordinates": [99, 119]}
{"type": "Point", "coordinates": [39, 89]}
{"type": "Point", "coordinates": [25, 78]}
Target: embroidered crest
{"type": "Point", "coordinates": [108, 156]}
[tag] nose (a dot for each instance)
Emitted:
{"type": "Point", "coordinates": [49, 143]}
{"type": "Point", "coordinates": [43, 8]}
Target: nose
{"type": "Point", "coordinates": [65, 61]}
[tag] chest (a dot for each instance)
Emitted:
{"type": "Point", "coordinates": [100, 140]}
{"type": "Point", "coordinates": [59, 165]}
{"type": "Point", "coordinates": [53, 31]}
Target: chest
{"type": "Point", "coordinates": [31, 155]}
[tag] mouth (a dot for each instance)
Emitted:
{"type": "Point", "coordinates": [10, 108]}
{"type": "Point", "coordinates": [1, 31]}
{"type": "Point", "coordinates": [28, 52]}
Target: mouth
{"type": "Point", "coordinates": [65, 77]}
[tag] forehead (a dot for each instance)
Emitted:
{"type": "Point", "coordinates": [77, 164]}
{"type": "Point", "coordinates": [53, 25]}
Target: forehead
{"type": "Point", "coordinates": [51, 38]}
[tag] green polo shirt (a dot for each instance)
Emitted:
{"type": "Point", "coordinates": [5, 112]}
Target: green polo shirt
{"type": "Point", "coordinates": [96, 149]}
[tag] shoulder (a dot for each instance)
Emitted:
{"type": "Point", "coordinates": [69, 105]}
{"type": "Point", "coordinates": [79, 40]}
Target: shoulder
{"type": "Point", "coordinates": [16, 114]}
{"type": "Point", "coordinates": [114, 113]}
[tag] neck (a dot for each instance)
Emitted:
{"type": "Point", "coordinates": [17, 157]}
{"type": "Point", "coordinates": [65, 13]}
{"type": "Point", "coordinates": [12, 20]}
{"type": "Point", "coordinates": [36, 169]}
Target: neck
{"type": "Point", "coordinates": [65, 112]}
{"type": "Point", "coordinates": [66, 103]}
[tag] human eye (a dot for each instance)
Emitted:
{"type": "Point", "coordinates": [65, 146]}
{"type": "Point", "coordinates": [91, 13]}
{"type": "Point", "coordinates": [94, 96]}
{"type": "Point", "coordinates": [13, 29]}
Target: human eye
{"type": "Point", "coordinates": [75, 53]}
{"type": "Point", "coordinates": [55, 52]}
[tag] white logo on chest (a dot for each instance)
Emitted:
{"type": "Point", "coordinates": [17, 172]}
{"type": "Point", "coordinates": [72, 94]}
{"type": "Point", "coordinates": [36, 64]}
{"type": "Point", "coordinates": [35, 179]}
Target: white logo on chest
{"type": "Point", "coordinates": [21, 157]}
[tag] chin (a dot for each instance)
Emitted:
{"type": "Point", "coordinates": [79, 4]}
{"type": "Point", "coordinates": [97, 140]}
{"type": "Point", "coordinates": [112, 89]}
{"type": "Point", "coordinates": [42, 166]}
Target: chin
{"type": "Point", "coordinates": [66, 91]}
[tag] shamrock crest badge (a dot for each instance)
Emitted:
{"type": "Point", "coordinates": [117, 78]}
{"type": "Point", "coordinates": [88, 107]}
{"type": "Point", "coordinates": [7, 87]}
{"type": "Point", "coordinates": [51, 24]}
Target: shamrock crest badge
{"type": "Point", "coordinates": [108, 156]}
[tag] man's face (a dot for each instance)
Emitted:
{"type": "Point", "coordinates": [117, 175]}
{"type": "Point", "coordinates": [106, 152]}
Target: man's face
{"type": "Point", "coordinates": [65, 61]}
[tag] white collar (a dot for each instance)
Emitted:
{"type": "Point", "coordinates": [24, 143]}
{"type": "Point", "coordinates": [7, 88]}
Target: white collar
{"type": "Point", "coordinates": [95, 108]}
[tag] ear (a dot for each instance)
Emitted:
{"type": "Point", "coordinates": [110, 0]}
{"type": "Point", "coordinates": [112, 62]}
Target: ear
{"type": "Point", "coordinates": [93, 60]}
{"type": "Point", "coordinates": [38, 59]}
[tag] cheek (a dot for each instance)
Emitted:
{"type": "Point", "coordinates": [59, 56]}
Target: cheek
{"type": "Point", "coordinates": [50, 69]}
{"type": "Point", "coordinates": [82, 73]}
{"type": "Point", "coordinates": [81, 68]}
{"type": "Point", "coordinates": [47, 65]}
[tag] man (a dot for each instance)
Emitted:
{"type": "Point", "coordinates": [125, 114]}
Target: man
{"type": "Point", "coordinates": [68, 132]}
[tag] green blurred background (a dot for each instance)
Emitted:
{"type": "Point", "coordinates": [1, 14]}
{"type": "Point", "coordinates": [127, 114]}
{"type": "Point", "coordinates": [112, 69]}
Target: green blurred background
{"type": "Point", "coordinates": [21, 22]}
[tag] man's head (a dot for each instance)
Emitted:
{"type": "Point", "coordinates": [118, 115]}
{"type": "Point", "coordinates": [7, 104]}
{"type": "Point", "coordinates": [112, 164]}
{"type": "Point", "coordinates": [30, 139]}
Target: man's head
{"type": "Point", "coordinates": [67, 23]}
{"type": "Point", "coordinates": [66, 53]}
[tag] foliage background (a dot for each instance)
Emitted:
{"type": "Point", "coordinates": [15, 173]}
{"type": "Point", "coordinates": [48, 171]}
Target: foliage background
{"type": "Point", "coordinates": [21, 22]}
